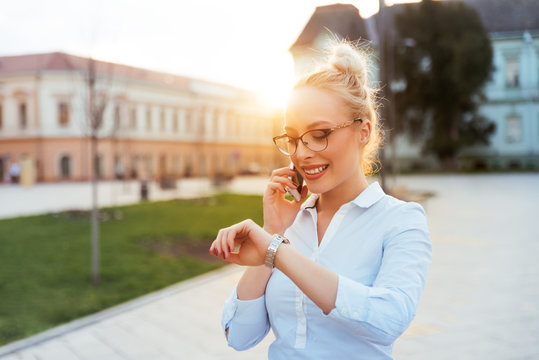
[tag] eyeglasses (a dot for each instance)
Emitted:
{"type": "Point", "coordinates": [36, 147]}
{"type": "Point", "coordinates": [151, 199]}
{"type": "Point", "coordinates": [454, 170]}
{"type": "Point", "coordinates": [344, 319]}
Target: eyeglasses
{"type": "Point", "coordinates": [315, 140]}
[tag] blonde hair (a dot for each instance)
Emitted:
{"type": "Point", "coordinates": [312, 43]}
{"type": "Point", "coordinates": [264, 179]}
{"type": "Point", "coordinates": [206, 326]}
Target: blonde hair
{"type": "Point", "coordinates": [346, 74]}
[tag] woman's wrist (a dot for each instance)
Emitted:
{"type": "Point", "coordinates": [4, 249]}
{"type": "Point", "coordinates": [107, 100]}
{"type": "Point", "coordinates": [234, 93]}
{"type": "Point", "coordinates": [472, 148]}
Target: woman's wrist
{"type": "Point", "coordinates": [281, 253]}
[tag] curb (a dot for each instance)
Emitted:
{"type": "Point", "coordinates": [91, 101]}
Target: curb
{"type": "Point", "coordinates": [116, 310]}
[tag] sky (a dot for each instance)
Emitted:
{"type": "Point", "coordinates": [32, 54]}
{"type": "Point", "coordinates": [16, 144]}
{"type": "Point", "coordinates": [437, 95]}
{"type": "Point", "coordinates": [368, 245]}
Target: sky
{"type": "Point", "coordinates": [243, 43]}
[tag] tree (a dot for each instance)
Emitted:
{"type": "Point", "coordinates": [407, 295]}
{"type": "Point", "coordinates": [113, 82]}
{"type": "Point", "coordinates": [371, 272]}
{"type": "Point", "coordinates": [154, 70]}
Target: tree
{"type": "Point", "coordinates": [444, 57]}
{"type": "Point", "coordinates": [96, 105]}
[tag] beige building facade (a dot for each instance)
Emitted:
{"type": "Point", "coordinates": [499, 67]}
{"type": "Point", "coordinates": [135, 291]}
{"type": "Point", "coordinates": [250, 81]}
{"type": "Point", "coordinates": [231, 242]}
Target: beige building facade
{"type": "Point", "coordinates": [155, 126]}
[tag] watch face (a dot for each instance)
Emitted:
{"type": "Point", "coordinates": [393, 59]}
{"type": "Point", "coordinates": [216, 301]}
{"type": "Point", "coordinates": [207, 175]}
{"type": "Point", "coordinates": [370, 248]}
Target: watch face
{"type": "Point", "coordinates": [272, 249]}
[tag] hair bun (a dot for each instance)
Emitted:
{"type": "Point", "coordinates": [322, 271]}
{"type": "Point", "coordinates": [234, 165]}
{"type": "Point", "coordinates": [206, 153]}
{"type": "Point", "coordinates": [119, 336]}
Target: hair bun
{"type": "Point", "coordinates": [346, 59]}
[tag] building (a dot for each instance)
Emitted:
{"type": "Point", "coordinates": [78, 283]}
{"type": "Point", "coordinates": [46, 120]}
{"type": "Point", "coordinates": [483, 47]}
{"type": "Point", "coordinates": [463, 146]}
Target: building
{"type": "Point", "coordinates": [513, 92]}
{"type": "Point", "coordinates": [155, 125]}
{"type": "Point", "coordinates": [512, 96]}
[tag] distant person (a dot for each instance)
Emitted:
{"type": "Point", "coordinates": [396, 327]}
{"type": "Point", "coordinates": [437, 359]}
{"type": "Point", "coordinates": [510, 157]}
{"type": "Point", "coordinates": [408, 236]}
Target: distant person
{"type": "Point", "coordinates": [339, 274]}
{"type": "Point", "coordinates": [15, 172]}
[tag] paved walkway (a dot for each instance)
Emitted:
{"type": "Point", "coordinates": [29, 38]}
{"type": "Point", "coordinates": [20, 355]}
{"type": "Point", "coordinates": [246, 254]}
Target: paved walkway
{"type": "Point", "coordinates": [42, 198]}
{"type": "Point", "coordinates": [481, 299]}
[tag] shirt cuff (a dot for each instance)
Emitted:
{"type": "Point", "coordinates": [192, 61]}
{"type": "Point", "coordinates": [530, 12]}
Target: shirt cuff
{"type": "Point", "coordinates": [246, 312]}
{"type": "Point", "coordinates": [351, 301]}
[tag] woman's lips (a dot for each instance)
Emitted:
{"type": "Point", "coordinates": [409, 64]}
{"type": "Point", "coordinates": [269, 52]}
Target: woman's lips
{"type": "Point", "coordinates": [314, 172]}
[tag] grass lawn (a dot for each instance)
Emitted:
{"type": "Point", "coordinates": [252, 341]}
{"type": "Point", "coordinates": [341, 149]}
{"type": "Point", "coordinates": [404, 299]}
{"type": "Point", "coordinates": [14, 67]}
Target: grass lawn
{"type": "Point", "coordinates": [45, 271]}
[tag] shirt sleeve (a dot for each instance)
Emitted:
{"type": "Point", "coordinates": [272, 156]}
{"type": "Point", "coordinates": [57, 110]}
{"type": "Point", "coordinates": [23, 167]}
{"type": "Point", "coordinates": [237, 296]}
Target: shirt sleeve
{"type": "Point", "coordinates": [246, 320]}
{"type": "Point", "coordinates": [383, 311]}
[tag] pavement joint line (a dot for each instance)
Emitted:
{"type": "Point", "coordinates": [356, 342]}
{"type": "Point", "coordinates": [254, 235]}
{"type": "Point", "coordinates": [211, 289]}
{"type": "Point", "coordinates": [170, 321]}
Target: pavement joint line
{"type": "Point", "coordinates": [127, 306]}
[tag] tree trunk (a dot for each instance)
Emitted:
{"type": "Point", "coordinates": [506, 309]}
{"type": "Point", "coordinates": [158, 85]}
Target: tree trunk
{"type": "Point", "coordinates": [95, 215]}
{"type": "Point", "coordinates": [449, 163]}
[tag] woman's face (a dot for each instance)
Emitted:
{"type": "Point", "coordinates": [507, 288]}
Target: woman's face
{"type": "Point", "coordinates": [339, 165]}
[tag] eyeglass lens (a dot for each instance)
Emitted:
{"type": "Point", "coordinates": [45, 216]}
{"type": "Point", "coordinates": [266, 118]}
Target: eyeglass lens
{"type": "Point", "coordinates": [315, 140]}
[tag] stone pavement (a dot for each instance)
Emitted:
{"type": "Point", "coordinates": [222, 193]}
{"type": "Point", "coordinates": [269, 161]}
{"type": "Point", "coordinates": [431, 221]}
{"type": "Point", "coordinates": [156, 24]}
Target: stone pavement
{"type": "Point", "coordinates": [481, 300]}
{"type": "Point", "coordinates": [179, 322]}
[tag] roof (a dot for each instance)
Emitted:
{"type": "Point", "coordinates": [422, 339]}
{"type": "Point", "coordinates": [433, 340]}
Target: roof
{"type": "Point", "coordinates": [59, 61]}
{"type": "Point", "coordinates": [507, 15]}
{"type": "Point", "coordinates": [344, 19]}
{"type": "Point", "coordinates": [341, 19]}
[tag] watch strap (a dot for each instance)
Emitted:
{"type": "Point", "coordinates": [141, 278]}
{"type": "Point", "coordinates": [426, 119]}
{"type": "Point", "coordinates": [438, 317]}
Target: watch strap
{"type": "Point", "coordinates": [275, 242]}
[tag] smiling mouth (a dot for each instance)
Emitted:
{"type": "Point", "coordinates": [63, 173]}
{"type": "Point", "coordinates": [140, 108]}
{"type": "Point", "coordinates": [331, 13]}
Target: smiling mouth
{"type": "Point", "coordinates": [315, 171]}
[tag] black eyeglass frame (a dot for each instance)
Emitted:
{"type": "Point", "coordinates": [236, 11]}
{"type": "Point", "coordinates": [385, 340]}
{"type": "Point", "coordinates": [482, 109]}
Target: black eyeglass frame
{"type": "Point", "coordinates": [327, 132]}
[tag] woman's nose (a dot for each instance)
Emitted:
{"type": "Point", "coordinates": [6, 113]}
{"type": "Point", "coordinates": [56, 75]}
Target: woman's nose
{"type": "Point", "coordinates": [302, 151]}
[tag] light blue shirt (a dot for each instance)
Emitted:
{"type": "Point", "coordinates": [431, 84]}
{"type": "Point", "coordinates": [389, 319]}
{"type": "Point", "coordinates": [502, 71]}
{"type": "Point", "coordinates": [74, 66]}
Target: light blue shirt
{"type": "Point", "coordinates": [379, 247]}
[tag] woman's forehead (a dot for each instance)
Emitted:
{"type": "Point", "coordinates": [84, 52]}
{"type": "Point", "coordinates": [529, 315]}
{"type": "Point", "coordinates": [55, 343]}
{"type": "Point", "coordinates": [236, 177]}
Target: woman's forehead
{"type": "Point", "coordinates": [310, 107]}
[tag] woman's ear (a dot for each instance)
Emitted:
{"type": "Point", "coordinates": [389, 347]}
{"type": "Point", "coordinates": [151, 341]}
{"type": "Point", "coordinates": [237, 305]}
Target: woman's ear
{"type": "Point", "coordinates": [364, 132]}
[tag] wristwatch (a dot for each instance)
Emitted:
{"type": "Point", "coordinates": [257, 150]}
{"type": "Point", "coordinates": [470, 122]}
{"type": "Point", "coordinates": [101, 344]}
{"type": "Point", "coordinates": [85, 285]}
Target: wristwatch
{"type": "Point", "coordinates": [276, 240]}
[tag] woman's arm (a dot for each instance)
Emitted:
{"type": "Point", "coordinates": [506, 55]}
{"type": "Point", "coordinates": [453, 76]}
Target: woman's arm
{"type": "Point", "coordinates": [316, 281]}
{"type": "Point", "coordinates": [252, 284]}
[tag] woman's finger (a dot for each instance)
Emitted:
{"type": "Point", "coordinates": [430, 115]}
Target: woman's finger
{"type": "Point", "coordinates": [286, 171]}
{"type": "Point", "coordinates": [276, 187]}
{"type": "Point", "coordinates": [233, 258]}
{"type": "Point", "coordinates": [285, 181]}
{"type": "Point", "coordinates": [231, 236]}
{"type": "Point", "coordinates": [219, 241]}
{"type": "Point", "coordinates": [304, 193]}
{"type": "Point", "coordinates": [213, 248]}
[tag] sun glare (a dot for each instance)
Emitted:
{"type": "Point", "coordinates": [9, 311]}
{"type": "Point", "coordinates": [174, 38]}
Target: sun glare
{"type": "Point", "coordinates": [275, 96]}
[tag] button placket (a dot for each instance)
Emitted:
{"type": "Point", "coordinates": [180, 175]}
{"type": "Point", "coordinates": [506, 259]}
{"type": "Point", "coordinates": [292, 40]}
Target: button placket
{"type": "Point", "coordinates": [301, 329]}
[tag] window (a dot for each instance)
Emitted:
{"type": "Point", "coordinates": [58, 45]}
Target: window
{"type": "Point", "coordinates": [65, 167]}
{"type": "Point", "coordinates": [119, 169]}
{"type": "Point", "coordinates": [175, 123]}
{"type": "Point", "coordinates": [231, 121]}
{"type": "Point", "coordinates": [512, 69]}
{"type": "Point", "coordinates": [63, 114]}
{"type": "Point", "coordinates": [162, 165]}
{"type": "Point", "coordinates": [176, 165]}
{"type": "Point", "coordinates": [149, 119]}
{"type": "Point", "coordinates": [188, 120]}
{"type": "Point", "coordinates": [216, 115]}
{"type": "Point", "coordinates": [100, 166]}
{"type": "Point", "coordinates": [513, 129]}
{"type": "Point", "coordinates": [202, 165]}
{"type": "Point", "coordinates": [23, 116]}
{"type": "Point", "coordinates": [200, 121]}
{"type": "Point", "coordinates": [163, 120]}
{"type": "Point", "coordinates": [149, 166]}
{"type": "Point", "coordinates": [135, 161]}
{"type": "Point", "coordinates": [1, 121]}
{"type": "Point", "coordinates": [133, 118]}
{"type": "Point", "coordinates": [117, 116]}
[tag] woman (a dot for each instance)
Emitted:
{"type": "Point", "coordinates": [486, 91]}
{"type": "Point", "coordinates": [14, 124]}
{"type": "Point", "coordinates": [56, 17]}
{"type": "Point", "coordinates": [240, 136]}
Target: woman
{"type": "Point", "coordinates": [339, 274]}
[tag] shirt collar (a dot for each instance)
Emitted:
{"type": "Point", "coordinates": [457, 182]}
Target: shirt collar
{"type": "Point", "coordinates": [366, 199]}
{"type": "Point", "coordinates": [369, 196]}
{"type": "Point", "coordinates": [310, 202]}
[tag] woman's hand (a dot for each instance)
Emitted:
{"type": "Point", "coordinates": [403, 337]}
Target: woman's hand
{"type": "Point", "coordinates": [253, 241]}
{"type": "Point", "coordinates": [279, 213]}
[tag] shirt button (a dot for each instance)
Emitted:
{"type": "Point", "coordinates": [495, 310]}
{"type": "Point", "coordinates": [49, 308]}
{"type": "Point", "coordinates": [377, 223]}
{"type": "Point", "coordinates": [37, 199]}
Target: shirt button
{"type": "Point", "coordinates": [344, 312]}
{"type": "Point", "coordinates": [355, 315]}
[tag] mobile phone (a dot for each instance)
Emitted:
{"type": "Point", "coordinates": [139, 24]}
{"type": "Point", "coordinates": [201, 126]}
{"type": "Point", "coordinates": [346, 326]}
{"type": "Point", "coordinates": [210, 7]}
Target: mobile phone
{"type": "Point", "coordinates": [298, 180]}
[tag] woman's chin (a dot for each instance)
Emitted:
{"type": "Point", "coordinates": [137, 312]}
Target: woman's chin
{"type": "Point", "coordinates": [317, 187]}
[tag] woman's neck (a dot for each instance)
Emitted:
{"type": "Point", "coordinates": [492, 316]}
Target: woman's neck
{"type": "Point", "coordinates": [331, 201]}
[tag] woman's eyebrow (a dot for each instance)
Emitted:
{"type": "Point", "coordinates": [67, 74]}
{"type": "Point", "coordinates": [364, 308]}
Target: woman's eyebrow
{"type": "Point", "coordinates": [322, 124]}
